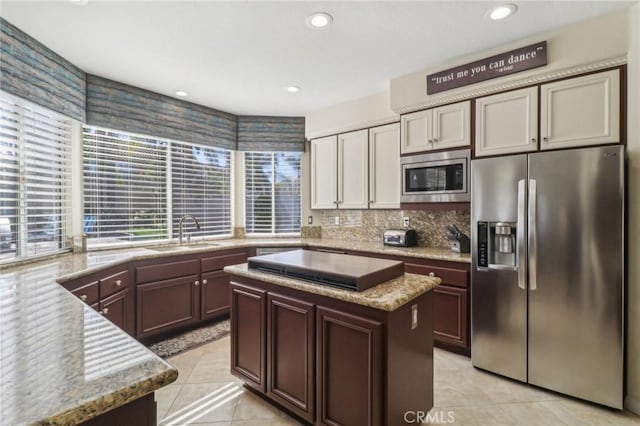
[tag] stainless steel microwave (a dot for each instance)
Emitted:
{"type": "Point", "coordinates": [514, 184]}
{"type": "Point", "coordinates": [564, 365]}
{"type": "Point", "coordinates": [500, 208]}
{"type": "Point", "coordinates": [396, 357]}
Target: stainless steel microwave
{"type": "Point", "coordinates": [436, 178]}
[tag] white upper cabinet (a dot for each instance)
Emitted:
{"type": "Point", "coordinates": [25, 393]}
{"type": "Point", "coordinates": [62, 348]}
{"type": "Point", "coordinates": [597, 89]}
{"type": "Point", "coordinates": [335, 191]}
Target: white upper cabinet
{"type": "Point", "coordinates": [451, 125]}
{"type": "Point", "coordinates": [438, 128]}
{"type": "Point", "coordinates": [353, 170]}
{"type": "Point", "coordinates": [384, 167]}
{"type": "Point", "coordinates": [507, 122]}
{"type": "Point", "coordinates": [581, 111]}
{"type": "Point", "coordinates": [324, 172]}
{"type": "Point", "coordinates": [414, 133]}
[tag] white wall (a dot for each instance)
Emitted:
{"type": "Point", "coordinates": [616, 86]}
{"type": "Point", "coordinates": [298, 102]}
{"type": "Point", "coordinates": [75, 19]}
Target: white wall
{"type": "Point", "coordinates": [582, 43]}
{"type": "Point", "coordinates": [632, 402]}
{"type": "Point", "coordinates": [369, 111]}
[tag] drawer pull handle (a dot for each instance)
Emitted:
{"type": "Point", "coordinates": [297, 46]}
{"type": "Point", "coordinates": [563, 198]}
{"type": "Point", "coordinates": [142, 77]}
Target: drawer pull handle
{"type": "Point", "coordinates": [105, 311]}
{"type": "Point", "coordinates": [83, 297]}
{"type": "Point", "coordinates": [197, 282]}
{"type": "Point", "coordinates": [431, 274]}
{"type": "Point", "coordinates": [204, 281]}
{"type": "Point", "coordinates": [118, 283]}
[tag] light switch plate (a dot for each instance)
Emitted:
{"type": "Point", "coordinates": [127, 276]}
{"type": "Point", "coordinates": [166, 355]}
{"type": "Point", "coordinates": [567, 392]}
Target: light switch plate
{"type": "Point", "coordinates": [310, 220]}
{"type": "Point", "coordinates": [405, 221]}
{"type": "Point", "coordinates": [414, 317]}
{"type": "Point", "coordinates": [337, 220]}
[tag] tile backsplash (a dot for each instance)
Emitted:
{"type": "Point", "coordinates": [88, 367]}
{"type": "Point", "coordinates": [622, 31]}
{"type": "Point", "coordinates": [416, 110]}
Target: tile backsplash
{"type": "Point", "coordinates": [368, 225]}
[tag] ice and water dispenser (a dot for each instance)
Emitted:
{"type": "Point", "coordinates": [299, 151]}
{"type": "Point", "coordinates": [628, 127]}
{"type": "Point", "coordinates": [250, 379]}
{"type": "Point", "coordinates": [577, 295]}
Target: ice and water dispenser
{"type": "Point", "coordinates": [497, 244]}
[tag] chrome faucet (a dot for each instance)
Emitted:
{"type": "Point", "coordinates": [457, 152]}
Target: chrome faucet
{"type": "Point", "coordinates": [186, 216]}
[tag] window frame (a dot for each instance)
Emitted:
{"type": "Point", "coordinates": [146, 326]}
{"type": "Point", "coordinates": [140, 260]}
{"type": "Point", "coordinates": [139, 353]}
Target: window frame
{"type": "Point", "coordinates": [64, 200]}
{"type": "Point", "coordinates": [168, 187]}
{"type": "Point", "coordinates": [273, 232]}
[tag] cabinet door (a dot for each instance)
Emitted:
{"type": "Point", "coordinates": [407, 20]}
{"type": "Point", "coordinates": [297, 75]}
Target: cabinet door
{"type": "Point", "coordinates": [248, 335]}
{"type": "Point", "coordinates": [450, 315]}
{"type": "Point", "coordinates": [507, 122]}
{"type": "Point", "coordinates": [118, 308]}
{"type": "Point", "coordinates": [166, 305]}
{"type": "Point", "coordinates": [215, 294]}
{"type": "Point", "coordinates": [324, 173]}
{"type": "Point", "coordinates": [415, 133]}
{"type": "Point", "coordinates": [290, 354]}
{"type": "Point", "coordinates": [581, 111]}
{"type": "Point", "coordinates": [451, 125]}
{"type": "Point", "coordinates": [384, 167]}
{"type": "Point", "coordinates": [349, 376]}
{"type": "Point", "coordinates": [353, 170]}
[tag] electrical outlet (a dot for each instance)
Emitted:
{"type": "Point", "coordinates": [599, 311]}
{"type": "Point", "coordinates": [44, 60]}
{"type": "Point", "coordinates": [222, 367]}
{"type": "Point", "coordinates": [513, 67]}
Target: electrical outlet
{"type": "Point", "coordinates": [405, 221]}
{"type": "Point", "coordinates": [310, 220]}
{"type": "Point", "coordinates": [337, 220]}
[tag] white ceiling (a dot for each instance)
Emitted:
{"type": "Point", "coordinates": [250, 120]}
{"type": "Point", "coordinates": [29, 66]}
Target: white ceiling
{"type": "Point", "coordinates": [239, 56]}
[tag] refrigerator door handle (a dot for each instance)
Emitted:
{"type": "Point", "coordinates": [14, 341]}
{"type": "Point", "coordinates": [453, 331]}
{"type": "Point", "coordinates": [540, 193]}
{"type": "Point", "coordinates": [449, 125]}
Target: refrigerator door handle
{"type": "Point", "coordinates": [533, 241]}
{"type": "Point", "coordinates": [520, 233]}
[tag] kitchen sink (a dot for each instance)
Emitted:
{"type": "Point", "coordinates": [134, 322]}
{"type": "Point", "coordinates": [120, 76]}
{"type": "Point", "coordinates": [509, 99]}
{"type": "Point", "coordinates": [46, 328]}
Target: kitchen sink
{"type": "Point", "coordinates": [184, 247]}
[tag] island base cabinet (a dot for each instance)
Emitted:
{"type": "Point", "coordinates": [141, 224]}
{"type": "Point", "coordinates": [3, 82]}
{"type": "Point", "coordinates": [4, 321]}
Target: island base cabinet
{"type": "Point", "coordinates": [290, 354]}
{"type": "Point", "coordinates": [248, 335]}
{"type": "Point", "coordinates": [349, 373]}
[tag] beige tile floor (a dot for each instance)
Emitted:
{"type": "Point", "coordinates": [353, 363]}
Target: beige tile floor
{"type": "Point", "coordinates": [206, 394]}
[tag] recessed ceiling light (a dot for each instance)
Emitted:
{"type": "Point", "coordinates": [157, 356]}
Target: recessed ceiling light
{"type": "Point", "coordinates": [79, 2]}
{"type": "Point", "coordinates": [181, 93]}
{"type": "Point", "coordinates": [501, 12]}
{"type": "Point", "coordinates": [319, 20]}
{"type": "Point", "coordinates": [293, 89]}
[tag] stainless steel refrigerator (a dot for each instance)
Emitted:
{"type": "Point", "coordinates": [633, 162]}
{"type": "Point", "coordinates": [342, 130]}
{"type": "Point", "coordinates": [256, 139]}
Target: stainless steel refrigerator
{"type": "Point", "coordinates": [547, 277]}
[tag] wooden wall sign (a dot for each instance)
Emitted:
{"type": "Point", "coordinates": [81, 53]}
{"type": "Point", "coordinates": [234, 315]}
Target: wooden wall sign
{"type": "Point", "coordinates": [514, 61]}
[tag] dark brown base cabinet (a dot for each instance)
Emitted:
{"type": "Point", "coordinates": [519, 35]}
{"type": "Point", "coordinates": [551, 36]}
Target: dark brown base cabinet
{"type": "Point", "coordinates": [248, 336]}
{"type": "Point", "coordinates": [164, 305]}
{"type": "Point", "coordinates": [291, 354]}
{"type": "Point", "coordinates": [152, 298]}
{"type": "Point", "coordinates": [331, 362]}
{"type": "Point", "coordinates": [451, 299]}
{"type": "Point", "coordinates": [110, 293]}
{"type": "Point", "coordinates": [140, 412]}
{"type": "Point", "coordinates": [349, 367]}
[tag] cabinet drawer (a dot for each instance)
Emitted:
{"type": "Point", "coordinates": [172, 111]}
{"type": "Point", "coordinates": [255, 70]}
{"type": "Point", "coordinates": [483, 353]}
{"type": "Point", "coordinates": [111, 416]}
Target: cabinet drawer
{"type": "Point", "coordinates": [166, 271]}
{"type": "Point", "coordinates": [215, 263]}
{"type": "Point", "coordinates": [88, 293]}
{"type": "Point", "coordinates": [114, 283]}
{"type": "Point", "coordinates": [449, 276]}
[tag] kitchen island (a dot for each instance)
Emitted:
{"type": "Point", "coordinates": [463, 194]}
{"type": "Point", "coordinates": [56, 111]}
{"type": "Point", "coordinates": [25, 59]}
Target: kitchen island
{"type": "Point", "coordinates": [330, 355]}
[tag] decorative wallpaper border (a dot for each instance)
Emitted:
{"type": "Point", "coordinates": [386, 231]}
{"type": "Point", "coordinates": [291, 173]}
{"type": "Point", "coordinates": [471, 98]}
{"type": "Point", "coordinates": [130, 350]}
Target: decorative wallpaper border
{"type": "Point", "coordinates": [32, 71]}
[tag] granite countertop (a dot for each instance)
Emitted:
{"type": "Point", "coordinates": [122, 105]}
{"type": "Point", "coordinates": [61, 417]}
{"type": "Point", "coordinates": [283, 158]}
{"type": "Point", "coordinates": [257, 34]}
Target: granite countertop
{"type": "Point", "coordinates": [387, 296]}
{"type": "Point", "coordinates": [76, 364]}
{"type": "Point", "coordinates": [62, 362]}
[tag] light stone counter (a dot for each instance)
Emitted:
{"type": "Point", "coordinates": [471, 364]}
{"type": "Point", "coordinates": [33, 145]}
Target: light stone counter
{"type": "Point", "coordinates": [62, 362]}
{"type": "Point", "coordinates": [387, 296]}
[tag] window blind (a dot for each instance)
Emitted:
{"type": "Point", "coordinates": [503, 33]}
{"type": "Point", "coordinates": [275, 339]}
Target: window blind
{"type": "Point", "coordinates": [125, 184]}
{"type": "Point", "coordinates": [272, 190]}
{"type": "Point", "coordinates": [35, 173]}
{"type": "Point", "coordinates": [201, 186]}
